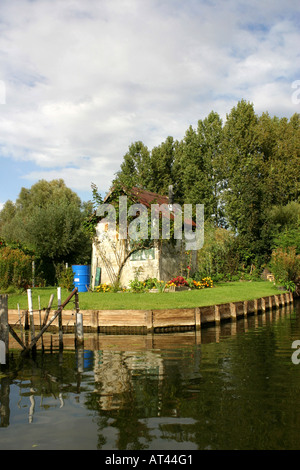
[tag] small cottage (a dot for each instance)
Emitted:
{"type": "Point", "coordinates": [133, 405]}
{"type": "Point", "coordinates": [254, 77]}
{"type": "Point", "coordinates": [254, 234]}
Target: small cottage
{"type": "Point", "coordinates": [122, 258]}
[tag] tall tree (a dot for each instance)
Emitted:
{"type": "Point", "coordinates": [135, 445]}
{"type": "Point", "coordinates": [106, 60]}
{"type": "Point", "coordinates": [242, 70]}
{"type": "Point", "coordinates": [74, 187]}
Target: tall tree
{"type": "Point", "coordinates": [243, 178]}
{"type": "Point", "coordinates": [49, 218]}
{"type": "Point", "coordinates": [135, 168]}
{"type": "Point", "coordinates": [210, 132]}
{"type": "Point", "coordinates": [279, 142]}
{"type": "Point", "coordinates": [190, 170]}
{"type": "Point", "coordinates": [161, 167]}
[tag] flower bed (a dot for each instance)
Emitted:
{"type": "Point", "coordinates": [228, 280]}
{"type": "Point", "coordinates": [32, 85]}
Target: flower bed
{"type": "Point", "coordinates": [178, 283]}
{"type": "Point", "coordinates": [183, 283]}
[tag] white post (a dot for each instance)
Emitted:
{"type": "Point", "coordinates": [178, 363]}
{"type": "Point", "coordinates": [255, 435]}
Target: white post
{"type": "Point", "coordinates": [79, 329]}
{"type": "Point", "coordinates": [60, 329]}
{"type": "Point", "coordinates": [59, 296]}
{"type": "Point", "coordinates": [4, 331]}
{"type": "Point", "coordinates": [30, 309]}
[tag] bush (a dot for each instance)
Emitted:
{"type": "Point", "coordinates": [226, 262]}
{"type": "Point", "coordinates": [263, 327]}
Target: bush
{"type": "Point", "coordinates": [65, 277]}
{"type": "Point", "coordinates": [285, 266]}
{"type": "Point", "coordinates": [15, 268]}
{"type": "Point", "coordinates": [220, 255]}
{"type": "Point", "coordinates": [150, 282]}
{"type": "Point", "coordinates": [137, 286]}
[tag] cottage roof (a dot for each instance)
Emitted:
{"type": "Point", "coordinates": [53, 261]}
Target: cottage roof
{"type": "Point", "coordinates": [142, 196]}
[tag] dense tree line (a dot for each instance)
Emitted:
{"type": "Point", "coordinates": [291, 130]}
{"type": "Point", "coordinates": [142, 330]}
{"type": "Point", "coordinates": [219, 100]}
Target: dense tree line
{"type": "Point", "coordinates": [245, 171]}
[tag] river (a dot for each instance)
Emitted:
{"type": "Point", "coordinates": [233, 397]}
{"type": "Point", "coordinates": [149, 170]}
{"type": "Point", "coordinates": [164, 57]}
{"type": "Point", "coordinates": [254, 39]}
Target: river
{"type": "Point", "coordinates": [234, 386]}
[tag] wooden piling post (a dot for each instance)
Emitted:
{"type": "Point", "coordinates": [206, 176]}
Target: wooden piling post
{"type": "Point", "coordinates": [48, 310]}
{"type": "Point", "coordinates": [46, 326]}
{"type": "Point", "coordinates": [21, 326]}
{"type": "Point", "coordinates": [270, 303]}
{"type": "Point", "coordinates": [197, 318]}
{"type": "Point", "coordinates": [30, 309]}
{"type": "Point", "coordinates": [79, 329]}
{"type": "Point", "coordinates": [217, 315]}
{"type": "Point", "coordinates": [4, 329]}
{"type": "Point", "coordinates": [233, 311]}
{"type": "Point", "coordinates": [198, 325]}
{"type": "Point", "coordinates": [60, 329]}
{"type": "Point", "coordinates": [79, 337]}
{"type": "Point", "coordinates": [26, 321]}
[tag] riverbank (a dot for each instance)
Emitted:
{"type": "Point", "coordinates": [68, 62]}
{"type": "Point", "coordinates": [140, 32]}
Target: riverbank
{"type": "Point", "coordinates": [219, 294]}
{"type": "Point", "coordinates": [162, 319]}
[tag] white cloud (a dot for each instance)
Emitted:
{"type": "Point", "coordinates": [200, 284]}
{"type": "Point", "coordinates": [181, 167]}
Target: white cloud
{"type": "Point", "coordinates": [85, 79]}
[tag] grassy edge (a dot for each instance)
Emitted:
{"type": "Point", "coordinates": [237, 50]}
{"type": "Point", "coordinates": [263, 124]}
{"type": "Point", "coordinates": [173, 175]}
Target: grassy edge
{"type": "Point", "coordinates": [221, 293]}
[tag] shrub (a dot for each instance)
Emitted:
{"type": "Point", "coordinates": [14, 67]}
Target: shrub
{"type": "Point", "coordinates": [15, 268]}
{"type": "Point", "coordinates": [65, 278]}
{"type": "Point", "coordinates": [150, 282]}
{"type": "Point", "coordinates": [137, 286]}
{"type": "Point", "coordinates": [285, 266]}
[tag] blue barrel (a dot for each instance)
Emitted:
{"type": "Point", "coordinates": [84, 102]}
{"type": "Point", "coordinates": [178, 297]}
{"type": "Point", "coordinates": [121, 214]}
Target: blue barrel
{"type": "Point", "coordinates": [81, 277]}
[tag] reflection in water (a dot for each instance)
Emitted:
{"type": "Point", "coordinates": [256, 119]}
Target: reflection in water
{"type": "Point", "coordinates": [228, 387]}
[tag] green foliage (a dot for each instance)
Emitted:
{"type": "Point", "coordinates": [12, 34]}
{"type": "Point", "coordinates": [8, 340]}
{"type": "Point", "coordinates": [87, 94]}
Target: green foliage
{"type": "Point", "coordinates": [90, 220]}
{"type": "Point", "coordinates": [135, 168]}
{"type": "Point", "coordinates": [160, 286]}
{"type": "Point", "coordinates": [48, 220]}
{"type": "Point", "coordinates": [219, 257]}
{"type": "Point", "coordinates": [15, 268]}
{"type": "Point", "coordinates": [65, 277]}
{"type": "Point", "coordinates": [288, 238]}
{"type": "Point", "coordinates": [137, 286]}
{"type": "Point", "coordinates": [240, 171]}
{"type": "Point", "coordinates": [285, 266]}
{"type": "Point", "coordinates": [284, 222]}
{"type": "Point", "coordinates": [150, 282]}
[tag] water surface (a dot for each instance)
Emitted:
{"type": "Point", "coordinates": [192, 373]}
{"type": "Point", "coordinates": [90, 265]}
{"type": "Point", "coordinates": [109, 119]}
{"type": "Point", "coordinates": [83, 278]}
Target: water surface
{"type": "Point", "coordinates": [228, 387]}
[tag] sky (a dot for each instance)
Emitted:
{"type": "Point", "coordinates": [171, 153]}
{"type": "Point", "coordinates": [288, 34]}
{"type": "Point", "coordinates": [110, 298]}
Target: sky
{"type": "Point", "coordinates": [80, 80]}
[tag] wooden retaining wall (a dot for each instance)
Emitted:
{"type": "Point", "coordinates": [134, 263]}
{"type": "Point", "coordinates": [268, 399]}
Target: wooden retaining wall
{"type": "Point", "coordinates": [143, 321]}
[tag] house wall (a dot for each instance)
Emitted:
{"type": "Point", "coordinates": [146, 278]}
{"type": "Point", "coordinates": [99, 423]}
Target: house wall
{"type": "Point", "coordinates": [164, 262]}
{"type": "Point", "coordinates": [174, 260]}
{"type": "Point", "coordinates": [147, 266]}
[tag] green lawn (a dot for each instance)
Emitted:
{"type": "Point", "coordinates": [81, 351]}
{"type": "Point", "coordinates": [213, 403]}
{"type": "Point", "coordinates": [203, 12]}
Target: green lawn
{"type": "Point", "coordinates": [221, 293]}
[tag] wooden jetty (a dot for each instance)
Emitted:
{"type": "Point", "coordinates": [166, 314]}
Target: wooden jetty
{"type": "Point", "coordinates": [6, 327]}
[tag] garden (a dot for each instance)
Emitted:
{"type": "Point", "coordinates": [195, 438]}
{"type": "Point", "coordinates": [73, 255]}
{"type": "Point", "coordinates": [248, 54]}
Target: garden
{"type": "Point", "coordinates": [154, 285]}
